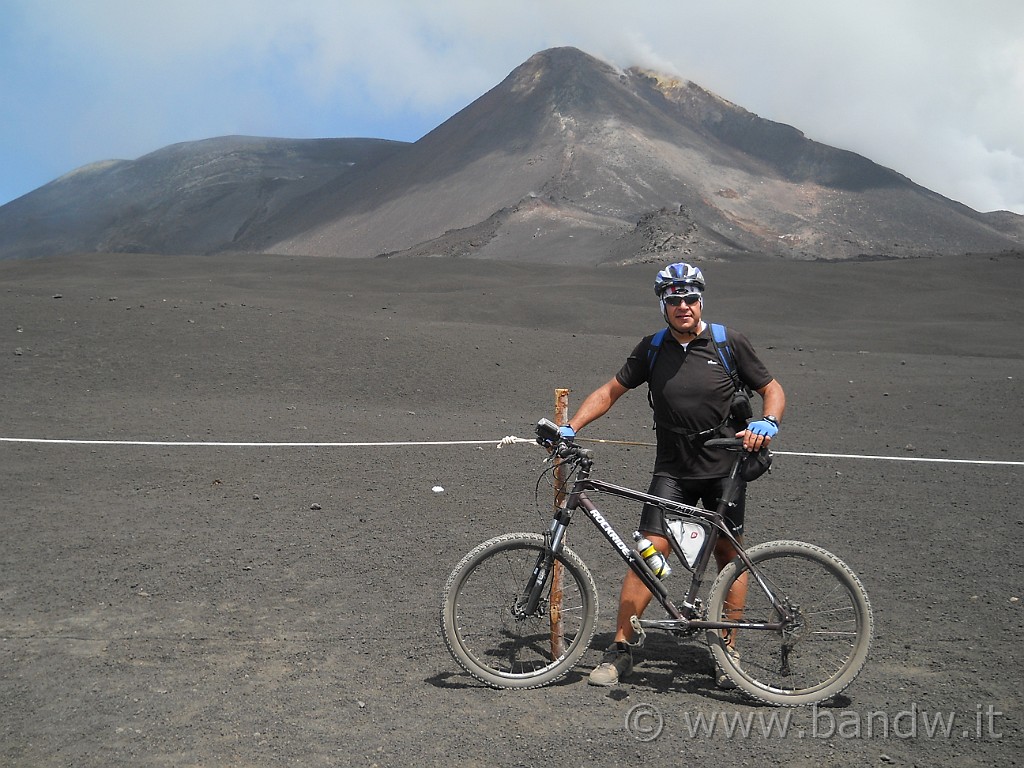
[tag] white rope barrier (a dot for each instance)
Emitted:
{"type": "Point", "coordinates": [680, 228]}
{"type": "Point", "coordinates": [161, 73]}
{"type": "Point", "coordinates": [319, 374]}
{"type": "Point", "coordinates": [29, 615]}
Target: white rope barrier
{"type": "Point", "coordinates": [221, 444]}
{"type": "Point", "coordinates": [852, 455]}
{"type": "Point", "coordinates": [901, 458]}
{"type": "Point", "coordinates": [503, 442]}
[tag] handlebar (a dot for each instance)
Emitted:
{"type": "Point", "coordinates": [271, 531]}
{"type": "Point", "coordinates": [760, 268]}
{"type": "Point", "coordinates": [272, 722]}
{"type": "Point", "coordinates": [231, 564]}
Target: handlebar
{"type": "Point", "coordinates": [727, 443]}
{"type": "Point", "coordinates": [743, 467]}
{"type": "Point", "coordinates": [547, 436]}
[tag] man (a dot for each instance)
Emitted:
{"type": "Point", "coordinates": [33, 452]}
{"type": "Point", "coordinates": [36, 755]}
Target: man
{"type": "Point", "coordinates": [691, 394]}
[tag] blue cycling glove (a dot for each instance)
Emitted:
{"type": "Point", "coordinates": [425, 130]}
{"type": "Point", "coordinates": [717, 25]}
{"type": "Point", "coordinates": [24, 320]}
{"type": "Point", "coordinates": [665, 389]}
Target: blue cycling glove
{"type": "Point", "coordinates": [763, 427]}
{"type": "Point", "coordinates": [567, 433]}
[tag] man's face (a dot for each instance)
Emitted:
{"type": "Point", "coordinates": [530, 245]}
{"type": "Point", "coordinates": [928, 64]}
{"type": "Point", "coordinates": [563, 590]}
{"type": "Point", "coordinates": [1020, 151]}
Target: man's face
{"type": "Point", "coordinates": [682, 311]}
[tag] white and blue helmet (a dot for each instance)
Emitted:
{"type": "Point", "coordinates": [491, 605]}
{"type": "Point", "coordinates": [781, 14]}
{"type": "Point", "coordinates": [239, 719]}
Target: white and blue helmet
{"type": "Point", "coordinates": [681, 278]}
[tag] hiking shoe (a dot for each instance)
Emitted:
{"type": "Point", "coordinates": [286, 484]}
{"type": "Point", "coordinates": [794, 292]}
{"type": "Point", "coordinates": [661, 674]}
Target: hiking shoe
{"type": "Point", "coordinates": [616, 664]}
{"type": "Point", "coordinates": [722, 680]}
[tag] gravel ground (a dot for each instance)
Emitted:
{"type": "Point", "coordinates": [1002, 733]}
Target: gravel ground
{"type": "Point", "coordinates": [250, 605]}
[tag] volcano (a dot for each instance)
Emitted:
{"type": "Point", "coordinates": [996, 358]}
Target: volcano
{"type": "Point", "coordinates": [568, 160]}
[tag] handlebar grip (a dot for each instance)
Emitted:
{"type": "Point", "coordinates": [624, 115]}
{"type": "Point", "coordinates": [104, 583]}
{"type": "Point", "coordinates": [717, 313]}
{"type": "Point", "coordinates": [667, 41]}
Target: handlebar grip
{"type": "Point", "coordinates": [572, 452]}
{"type": "Point", "coordinates": [728, 443]}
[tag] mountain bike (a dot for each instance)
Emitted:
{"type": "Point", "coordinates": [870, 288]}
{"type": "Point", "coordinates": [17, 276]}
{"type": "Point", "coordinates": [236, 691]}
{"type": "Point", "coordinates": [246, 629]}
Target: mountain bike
{"type": "Point", "coordinates": [520, 610]}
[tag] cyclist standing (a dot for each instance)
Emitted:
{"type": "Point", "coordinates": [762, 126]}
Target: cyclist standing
{"type": "Point", "coordinates": [691, 393]}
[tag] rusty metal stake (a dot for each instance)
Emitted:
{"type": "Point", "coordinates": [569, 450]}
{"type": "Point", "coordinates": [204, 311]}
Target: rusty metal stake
{"type": "Point", "coordinates": [555, 613]}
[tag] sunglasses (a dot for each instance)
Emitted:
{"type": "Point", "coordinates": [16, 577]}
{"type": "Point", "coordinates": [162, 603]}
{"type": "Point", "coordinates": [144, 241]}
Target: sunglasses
{"type": "Point", "coordinates": [690, 299]}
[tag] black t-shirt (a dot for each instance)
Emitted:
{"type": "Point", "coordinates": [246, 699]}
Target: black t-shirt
{"type": "Point", "coordinates": [692, 392]}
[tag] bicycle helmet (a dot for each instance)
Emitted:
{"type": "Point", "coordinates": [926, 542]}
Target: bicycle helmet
{"type": "Point", "coordinates": [682, 276]}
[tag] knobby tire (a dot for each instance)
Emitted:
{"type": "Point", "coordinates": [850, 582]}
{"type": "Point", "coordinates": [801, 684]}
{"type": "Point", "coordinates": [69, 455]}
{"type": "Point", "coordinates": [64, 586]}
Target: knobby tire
{"type": "Point", "coordinates": [819, 656]}
{"type": "Point", "coordinates": [483, 632]}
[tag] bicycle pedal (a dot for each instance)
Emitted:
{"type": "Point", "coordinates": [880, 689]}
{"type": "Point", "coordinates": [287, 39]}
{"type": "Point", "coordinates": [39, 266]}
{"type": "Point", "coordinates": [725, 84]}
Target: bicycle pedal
{"type": "Point", "coordinates": [639, 632]}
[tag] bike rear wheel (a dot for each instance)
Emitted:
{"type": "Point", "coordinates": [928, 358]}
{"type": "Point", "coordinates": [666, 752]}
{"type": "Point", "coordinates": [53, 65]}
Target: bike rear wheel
{"type": "Point", "coordinates": [488, 633]}
{"type": "Point", "coordinates": [816, 656]}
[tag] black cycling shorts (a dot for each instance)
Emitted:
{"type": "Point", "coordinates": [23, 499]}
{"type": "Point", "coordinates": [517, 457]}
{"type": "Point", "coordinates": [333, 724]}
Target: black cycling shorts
{"type": "Point", "coordinates": [707, 492]}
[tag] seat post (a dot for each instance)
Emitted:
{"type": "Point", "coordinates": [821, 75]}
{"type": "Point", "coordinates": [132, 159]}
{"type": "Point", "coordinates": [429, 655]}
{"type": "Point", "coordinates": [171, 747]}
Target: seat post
{"type": "Point", "coordinates": [731, 489]}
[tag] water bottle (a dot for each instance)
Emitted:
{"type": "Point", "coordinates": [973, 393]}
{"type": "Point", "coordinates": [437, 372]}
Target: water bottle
{"type": "Point", "coordinates": [654, 559]}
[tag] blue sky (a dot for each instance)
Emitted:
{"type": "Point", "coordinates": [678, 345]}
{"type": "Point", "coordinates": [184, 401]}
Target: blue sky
{"type": "Point", "coordinates": [931, 88]}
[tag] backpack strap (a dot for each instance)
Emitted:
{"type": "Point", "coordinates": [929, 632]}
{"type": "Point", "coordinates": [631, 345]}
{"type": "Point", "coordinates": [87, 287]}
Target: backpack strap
{"type": "Point", "coordinates": [719, 336]}
{"type": "Point", "coordinates": [652, 354]}
{"type": "Point", "coordinates": [653, 348]}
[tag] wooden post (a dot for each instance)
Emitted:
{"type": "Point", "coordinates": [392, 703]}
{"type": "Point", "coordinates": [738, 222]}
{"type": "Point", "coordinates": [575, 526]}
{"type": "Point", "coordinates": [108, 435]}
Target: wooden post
{"type": "Point", "coordinates": [555, 612]}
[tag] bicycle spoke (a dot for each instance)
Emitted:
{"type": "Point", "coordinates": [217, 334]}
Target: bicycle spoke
{"type": "Point", "coordinates": [822, 648]}
{"type": "Point", "coordinates": [491, 638]}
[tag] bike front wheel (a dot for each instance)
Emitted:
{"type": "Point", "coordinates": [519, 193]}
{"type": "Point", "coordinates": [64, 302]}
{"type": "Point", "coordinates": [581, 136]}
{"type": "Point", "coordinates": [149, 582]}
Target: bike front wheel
{"type": "Point", "coordinates": [816, 655]}
{"type": "Point", "coordinates": [484, 619]}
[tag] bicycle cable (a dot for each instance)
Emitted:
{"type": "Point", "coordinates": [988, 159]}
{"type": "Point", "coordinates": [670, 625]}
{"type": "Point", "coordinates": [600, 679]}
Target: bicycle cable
{"type": "Point", "coordinates": [566, 483]}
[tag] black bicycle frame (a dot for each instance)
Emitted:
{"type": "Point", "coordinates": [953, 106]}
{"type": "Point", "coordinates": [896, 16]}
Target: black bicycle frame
{"type": "Point", "coordinates": [682, 618]}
